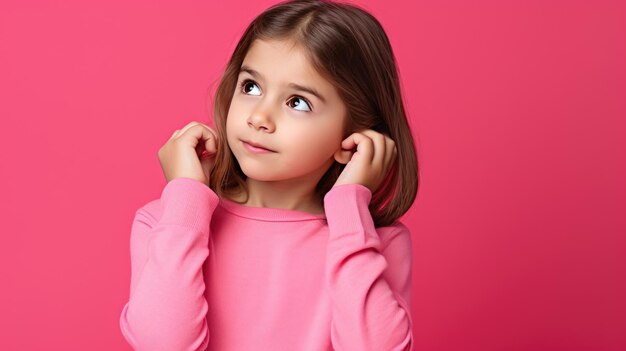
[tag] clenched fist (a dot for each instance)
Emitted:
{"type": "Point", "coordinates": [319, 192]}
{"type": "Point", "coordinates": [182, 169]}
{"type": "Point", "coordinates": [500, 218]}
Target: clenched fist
{"type": "Point", "coordinates": [373, 156]}
{"type": "Point", "coordinates": [189, 153]}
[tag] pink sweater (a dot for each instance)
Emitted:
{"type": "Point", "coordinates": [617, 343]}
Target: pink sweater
{"type": "Point", "coordinates": [210, 274]}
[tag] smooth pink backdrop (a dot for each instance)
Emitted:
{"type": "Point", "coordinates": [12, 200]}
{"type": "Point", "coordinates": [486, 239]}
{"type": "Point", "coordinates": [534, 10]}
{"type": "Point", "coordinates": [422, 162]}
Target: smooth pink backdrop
{"type": "Point", "coordinates": [518, 110]}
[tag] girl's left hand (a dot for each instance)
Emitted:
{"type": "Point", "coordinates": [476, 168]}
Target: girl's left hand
{"type": "Point", "coordinates": [370, 163]}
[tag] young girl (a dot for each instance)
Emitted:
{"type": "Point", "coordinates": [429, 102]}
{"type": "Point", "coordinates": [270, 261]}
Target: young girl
{"type": "Point", "coordinates": [280, 231]}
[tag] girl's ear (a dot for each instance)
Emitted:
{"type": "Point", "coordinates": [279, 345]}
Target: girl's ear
{"type": "Point", "coordinates": [343, 156]}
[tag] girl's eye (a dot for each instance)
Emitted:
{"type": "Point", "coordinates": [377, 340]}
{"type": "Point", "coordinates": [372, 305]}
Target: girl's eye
{"type": "Point", "coordinates": [301, 99]}
{"type": "Point", "coordinates": [244, 85]}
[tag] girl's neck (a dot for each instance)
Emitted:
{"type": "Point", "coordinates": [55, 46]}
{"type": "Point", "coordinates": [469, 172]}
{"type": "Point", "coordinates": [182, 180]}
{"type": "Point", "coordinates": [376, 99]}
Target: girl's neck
{"type": "Point", "coordinates": [279, 195]}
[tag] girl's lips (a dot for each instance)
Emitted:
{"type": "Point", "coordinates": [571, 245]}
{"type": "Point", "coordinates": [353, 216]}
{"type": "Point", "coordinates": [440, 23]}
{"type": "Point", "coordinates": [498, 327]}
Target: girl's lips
{"type": "Point", "coordinates": [256, 150]}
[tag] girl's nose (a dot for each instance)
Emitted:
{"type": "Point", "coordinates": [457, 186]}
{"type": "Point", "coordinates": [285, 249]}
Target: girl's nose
{"type": "Point", "coordinates": [261, 120]}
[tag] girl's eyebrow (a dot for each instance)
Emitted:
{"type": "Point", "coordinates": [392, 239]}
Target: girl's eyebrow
{"type": "Point", "coordinates": [299, 87]}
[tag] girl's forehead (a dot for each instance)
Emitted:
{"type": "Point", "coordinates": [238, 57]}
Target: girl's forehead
{"type": "Point", "coordinates": [283, 64]}
{"type": "Point", "coordinates": [278, 53]}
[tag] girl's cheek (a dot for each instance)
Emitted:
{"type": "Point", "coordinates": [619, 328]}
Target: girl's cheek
{"type": "Point", "coordinates": [237, 106]}
{"type": "Point", "coordinates": [243, 102]}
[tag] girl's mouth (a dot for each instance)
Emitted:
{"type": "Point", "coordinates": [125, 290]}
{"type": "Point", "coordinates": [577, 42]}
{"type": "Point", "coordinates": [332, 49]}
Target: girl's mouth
{"type": "Point", "coordinates": [256, 149]}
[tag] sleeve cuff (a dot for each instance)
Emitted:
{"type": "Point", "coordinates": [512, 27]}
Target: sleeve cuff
{"type": "Point", "coordinates": [347, 207]}
{"type": "Point", "coordinates": [188, 202]}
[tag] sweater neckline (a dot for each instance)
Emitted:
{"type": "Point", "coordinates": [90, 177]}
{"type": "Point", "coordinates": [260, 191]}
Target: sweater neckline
{"type": "Point", "coordinates": [268, 213]}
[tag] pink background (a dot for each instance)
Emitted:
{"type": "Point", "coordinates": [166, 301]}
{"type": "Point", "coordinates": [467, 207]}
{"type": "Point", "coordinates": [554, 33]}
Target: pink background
{"type": "Point", "coordinates": [518, 110]}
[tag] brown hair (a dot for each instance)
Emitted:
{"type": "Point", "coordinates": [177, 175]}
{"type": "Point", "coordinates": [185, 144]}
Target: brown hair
{"type": "Point", "coordinates": [349, 48]}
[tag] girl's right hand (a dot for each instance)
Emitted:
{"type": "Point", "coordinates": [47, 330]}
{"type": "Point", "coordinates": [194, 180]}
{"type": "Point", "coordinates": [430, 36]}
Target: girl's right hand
{"type": "Point", "coordinates": [184, 155]}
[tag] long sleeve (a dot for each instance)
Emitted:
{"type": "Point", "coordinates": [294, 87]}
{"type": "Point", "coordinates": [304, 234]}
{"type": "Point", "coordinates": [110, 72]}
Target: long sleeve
{"type": "Point", "coordinates": [167, 308]}
{"type": "Point", "coordinates": [369, 285]}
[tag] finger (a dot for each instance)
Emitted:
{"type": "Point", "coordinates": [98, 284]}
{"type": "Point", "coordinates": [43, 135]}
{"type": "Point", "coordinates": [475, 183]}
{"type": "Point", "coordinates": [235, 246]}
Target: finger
{"type": "Point", "coordinates": [174, 135]}
{"type": "Point", "coordinates": [207, 148]}
{"type": "Point", "coordinates": [177, 132]}
{"type": "Point", "coordinates": [193, 124]}
{"type": "Point", "coordinates": [207, 127]}
{"type": "Point", "coordinates": [380, 149]}
{"type": "Point", "coordinates": [186, 128]}
{"type": "Point", "coordinates": [196, 135]}
{"type": "Point", "coordinates": [210, 145]}
{"type": "Point", "coordinates": [364, 145]}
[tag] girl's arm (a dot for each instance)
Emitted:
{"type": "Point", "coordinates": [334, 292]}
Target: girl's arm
{"type": "Point", "coordinates": [369, 283]}
{"type": "Point", "coordinates": [168, 246]}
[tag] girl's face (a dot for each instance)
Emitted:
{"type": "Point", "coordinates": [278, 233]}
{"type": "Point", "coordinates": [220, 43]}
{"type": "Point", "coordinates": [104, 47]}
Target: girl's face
{"type": "Point", "coordinates": [272, 107]}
